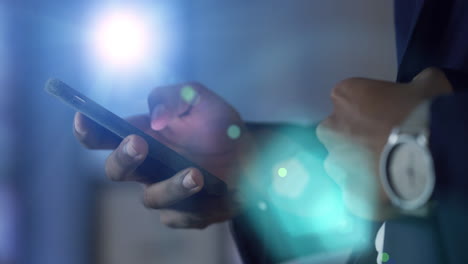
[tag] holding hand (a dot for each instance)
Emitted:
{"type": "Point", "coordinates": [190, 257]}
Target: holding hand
{"type": "Point", "coordinates": [197, 124]}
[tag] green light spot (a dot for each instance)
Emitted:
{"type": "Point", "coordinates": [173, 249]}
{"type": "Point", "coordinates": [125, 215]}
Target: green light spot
{"type": "Point", "coordinates": [188, 94]}
{"type": "Point", "coordinates": [385, 257]}
{"type": "Point", "coordinates": [234, 132]}
{"type": "Point", "coordinates": [262, 206]}
{"type": "Point", "coordinates": [282, 172]}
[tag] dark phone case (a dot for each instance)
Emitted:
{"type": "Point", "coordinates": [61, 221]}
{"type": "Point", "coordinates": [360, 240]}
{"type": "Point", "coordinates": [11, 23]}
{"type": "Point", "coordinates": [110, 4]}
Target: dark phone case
{"type": "Point", "coordinates": [161, 161]}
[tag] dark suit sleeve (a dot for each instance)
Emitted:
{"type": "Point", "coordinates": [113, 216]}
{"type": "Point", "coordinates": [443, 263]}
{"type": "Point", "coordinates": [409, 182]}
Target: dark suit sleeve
{"type": "Point", "coordinates": [442, 237]}
{"type": "Point", "coordinates": [449, 146]}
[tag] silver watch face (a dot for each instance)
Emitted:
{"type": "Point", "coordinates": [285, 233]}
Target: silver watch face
{"type": "Point", "coordinates": [409, 170]}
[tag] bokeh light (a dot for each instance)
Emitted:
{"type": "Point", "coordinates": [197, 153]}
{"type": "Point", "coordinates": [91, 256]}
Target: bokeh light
{"type": "Point", "coordinates": [234, 131]}
{"type": "Point", "coordinates": [385, 257]}
{"type": "Point", "coordinates": [188, 94]}
{"type": "Point", "coordinates": [295, 183]}
{"type": "Point", "coordinates": [282, 172]}
{"type": "Point", "coordinates": [262, 206]}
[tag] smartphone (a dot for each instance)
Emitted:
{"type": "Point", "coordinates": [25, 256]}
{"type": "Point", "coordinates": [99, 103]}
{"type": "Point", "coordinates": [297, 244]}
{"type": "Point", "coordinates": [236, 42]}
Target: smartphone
{"type": "Point", "coordinates": [162, 162]}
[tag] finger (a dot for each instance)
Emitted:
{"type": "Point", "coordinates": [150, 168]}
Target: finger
{"type": "Point", "coordinates": [94, 136]}
{"type": "Point", "coordinates": [170, 102]}
{"type": "Point", "coordinates": [170, 191]}
{"type": "Point", "coordinates": [200, 219]}
{"type": "Point", "coordinates": [179, 220]}
{"type": "Point", "coordinates": [123, 161]}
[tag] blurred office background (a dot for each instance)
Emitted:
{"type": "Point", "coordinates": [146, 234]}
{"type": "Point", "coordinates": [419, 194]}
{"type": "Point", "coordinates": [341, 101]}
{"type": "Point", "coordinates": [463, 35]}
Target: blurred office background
{"type": "Point", "coordinates": [273, 60]}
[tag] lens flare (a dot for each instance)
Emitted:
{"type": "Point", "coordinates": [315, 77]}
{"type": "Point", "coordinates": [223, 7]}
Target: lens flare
{"type": "Point", "coordinates": [303, 201]}
{"type": "Point", "coordinates": [122, 38]}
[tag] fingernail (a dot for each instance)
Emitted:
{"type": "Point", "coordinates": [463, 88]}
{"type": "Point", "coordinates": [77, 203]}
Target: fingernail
{"type": "Point", "coordinates": [156, 114]}
{"type": "Point", "coordinates": [130, 150]}
{"type": "Point", "coordinates": [188, 181]}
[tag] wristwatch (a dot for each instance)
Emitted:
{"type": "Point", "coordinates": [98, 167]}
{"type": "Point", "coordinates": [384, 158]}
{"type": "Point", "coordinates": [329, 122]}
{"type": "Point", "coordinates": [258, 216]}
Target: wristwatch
{"type": "Point", "coordinates": [406, 165]}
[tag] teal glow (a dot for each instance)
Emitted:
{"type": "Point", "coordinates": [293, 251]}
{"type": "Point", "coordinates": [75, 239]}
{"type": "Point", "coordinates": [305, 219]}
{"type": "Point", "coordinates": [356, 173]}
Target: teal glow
{"type": "Point", "coordinates": [233, 131]}
{"type": "Point", "coordinates": [262, 206]}
{"type": "Point", "coordinates": [315, 210]}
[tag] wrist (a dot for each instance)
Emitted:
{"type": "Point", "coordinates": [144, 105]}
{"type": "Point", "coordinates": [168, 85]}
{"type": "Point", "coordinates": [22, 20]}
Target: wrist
{"type": "Point", "coordinates": [406, 166]}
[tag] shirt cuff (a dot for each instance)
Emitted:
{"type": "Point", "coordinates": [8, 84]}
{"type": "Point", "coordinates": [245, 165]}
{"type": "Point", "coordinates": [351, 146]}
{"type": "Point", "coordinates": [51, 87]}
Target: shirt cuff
{"type": "Point", "coordinates": [412, 240]}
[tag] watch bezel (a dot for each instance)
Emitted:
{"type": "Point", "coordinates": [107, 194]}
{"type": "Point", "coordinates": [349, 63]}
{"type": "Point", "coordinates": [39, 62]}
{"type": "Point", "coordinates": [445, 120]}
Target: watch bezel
{"type": "Point", "coordinates": [396, 139]}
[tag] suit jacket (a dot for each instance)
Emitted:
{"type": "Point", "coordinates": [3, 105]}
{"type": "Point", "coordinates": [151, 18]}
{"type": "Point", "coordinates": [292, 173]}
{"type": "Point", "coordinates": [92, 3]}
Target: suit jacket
{"type": "Point", "coordinates": [439, 38]}
{"type": "Point", "coordinates": [428, 33]}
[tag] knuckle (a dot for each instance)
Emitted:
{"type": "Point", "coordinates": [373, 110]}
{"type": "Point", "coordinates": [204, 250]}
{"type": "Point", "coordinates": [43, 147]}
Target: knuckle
{"type": "Point", "coordinates": [176, 188]}
{"type": "Point", "coordinates": [149, 201]}
{"type": "Point", "coordinates": [110, 170]}
{"type": "Point", "coordinates": [320, 131]}
{"type": "Point", "coordinates": [325, 129]}
{"type": "Point", "coordinates": [432, 71]}
{"type": "Point", "coordinates": [343, 86]}
{"type": "Point", "coordinates": [113, 176]}
{"type": "Point", "coordinates": [167, 221]}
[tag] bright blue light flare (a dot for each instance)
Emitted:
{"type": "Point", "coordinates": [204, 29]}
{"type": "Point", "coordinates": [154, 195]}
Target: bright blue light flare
{"type": "Point", "coordinates": [129, 47]}
{"type": "Point", "coordinates": [127, 37]}
{"type": "Point", "coordinates": [121, 38]}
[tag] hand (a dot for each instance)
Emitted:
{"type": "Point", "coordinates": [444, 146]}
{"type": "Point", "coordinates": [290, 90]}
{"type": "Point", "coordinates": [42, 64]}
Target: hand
{"type": "Point", "coordinates": [197, 124]}
{"type": "Point", "coordinates": [365, 111]}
